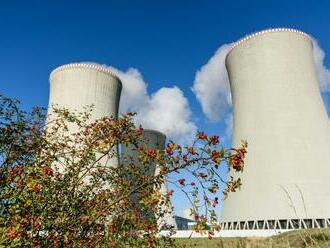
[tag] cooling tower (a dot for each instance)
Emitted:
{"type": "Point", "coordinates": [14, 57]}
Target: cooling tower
{"type": "Point", "coordinates": [150, 139]}
{"type": "Point", "coordinates": [75, 86]}
{"type": "Point", "coordinates": [278, 109]}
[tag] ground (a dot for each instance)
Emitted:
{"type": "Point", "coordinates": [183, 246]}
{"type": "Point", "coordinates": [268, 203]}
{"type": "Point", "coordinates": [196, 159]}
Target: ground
{"type": "Point", "coordinates": [316, 238]}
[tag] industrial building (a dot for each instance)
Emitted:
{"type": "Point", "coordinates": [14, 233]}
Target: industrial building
{"type": "Point", "coordinates": [150, 139]}
{"type": "Point", "coordinates": [278, 109]}
{"type": "Point", "coordinates": [75, 86]}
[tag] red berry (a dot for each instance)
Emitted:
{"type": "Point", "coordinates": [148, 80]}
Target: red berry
{"type": "Point", "coordinates": [214, 140]}
{"type": "Point", "coordinates": [47, 171]}
{"type": "Point", "coordinates": [202, 135]}
{"type": "Point", "coordinates": [182, 181]}
{"type": "Point", "coordinates": [170, 192]}
{"type": "Point", "coordinates": [196, 216]}
{"type": "Point", "coordinates": [169, 151]}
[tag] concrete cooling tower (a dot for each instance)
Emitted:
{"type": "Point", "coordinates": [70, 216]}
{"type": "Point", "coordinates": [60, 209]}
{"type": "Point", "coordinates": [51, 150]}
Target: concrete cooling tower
{"type": "Point", "coordinates": [150, 139]}
{"type": "Point", "coordinates": [75, 86]}
{"type": "Point", "coordinates": [278, 109]}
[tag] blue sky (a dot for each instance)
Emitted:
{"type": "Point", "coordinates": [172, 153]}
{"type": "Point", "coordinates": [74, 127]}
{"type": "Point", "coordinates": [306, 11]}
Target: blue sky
{"type": "Point", "coordinates": [166, 42]}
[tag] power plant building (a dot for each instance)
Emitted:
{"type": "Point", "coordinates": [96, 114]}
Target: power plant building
{"type": "Point", "coordinates": [150, 139]}
{"type": "Point", "coordinates": [278, 109]}
{"type": "Point", "coordinates": [75, 86]}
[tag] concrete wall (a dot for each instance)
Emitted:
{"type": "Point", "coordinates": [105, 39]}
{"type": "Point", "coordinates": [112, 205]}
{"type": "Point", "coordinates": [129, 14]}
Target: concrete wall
{"type": "Point", "coordinates": [278, 109]}
{"type": "Point", "coordinates": [225, 233]}
{"type": "Point", "coordinates": [150, 139]}
{"type": "Point", "coordinates": [75, 86]}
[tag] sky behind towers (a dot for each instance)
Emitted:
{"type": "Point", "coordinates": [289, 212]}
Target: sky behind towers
{"type": "Point", "coordinates": [165, 50]}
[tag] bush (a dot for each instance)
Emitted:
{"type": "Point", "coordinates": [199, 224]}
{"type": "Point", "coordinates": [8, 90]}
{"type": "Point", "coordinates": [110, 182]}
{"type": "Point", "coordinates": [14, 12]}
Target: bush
{"type": "Point", "coordinates": [60, 188]}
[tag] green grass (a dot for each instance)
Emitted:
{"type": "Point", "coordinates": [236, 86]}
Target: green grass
{"type": "Point", "coordinates": [313, 238]}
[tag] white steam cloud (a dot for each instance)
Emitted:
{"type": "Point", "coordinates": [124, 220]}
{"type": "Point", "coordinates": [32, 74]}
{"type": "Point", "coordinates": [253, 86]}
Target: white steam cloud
{"type": "Point", "coordinates": [211, 85]}
{"type": "Point", "coordinates": [167, 110]}
{"type": "Point", "coordinates": [323, 73]}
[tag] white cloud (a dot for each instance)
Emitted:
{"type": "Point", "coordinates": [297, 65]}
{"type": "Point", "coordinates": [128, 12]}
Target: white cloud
{"type": "Point", "coordinates": [134, 94]}
{"type": "Point", "coordinates": [167, 110]}
{"type": "Point", "coordinates": [322, 72]}
{"type": "Point", "coordinates": [211, 85]}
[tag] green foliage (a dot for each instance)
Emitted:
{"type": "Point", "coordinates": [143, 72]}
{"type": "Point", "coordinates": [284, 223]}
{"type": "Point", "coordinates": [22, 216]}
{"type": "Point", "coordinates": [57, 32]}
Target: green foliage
{"type": "Point", "coordinates": [60, 185]}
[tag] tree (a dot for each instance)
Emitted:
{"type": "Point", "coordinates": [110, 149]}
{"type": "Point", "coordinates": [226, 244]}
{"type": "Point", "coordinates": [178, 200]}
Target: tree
{"type": "Point", "coordinates": [57, 188]}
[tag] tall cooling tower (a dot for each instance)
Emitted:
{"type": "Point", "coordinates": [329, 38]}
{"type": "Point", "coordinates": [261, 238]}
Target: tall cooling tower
{"type": "Point", "coordinates": [278, 109]}
{"type": "Point", "coordinates": [75, 86]}
{"type": "Point", "coordinates": [150, 139]}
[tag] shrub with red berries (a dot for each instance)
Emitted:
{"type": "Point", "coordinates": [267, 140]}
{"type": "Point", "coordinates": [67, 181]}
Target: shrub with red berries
{"type": "Point", "coordinates": [59, 189]}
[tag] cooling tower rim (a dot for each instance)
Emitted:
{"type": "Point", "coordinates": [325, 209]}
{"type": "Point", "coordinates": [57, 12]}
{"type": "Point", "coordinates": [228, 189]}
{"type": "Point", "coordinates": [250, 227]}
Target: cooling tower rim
{"type": "Point", "coordinates": [153, 131]}
{"type": "Point", "coordinates": [92, 66]}
{"type": "Point", "coordinates": [266, 31]}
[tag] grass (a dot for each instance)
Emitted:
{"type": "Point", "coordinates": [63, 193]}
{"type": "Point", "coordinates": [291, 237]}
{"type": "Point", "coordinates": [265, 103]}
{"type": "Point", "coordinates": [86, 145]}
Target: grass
{"type": "Point", "coordinates": [313, 238]}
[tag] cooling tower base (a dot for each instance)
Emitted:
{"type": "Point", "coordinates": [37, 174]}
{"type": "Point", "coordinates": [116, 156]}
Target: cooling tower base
{"type": "Point", "coordinates": [288, 224]}
{"type": "Point", "coordinates": [226, 233]}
